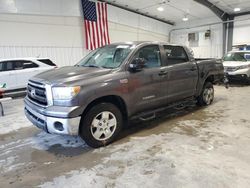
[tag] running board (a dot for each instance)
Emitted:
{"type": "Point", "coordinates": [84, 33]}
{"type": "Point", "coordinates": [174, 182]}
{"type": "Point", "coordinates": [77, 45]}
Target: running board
{"type": "Point", "coordinates": [149, 115]}
{"type": "Point", "coordinates": [147, 118]}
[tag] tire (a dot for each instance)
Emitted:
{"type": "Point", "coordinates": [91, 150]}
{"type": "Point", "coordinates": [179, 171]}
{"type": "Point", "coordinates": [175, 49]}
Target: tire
{"type": "Point", "coordinates": [207, 95]}
{"type": "Point", "coordinates": [248, 81]}
{"type": "Point", "coordinates": [101, 125]}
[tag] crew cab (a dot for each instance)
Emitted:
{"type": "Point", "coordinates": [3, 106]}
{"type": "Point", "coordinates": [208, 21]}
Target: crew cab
{"type": "Point", "coordinates": [15, 73]}
{"type": "Point", "coordinates": [116, 83]}
{"type": "Point", "coordinates": [237, 65]}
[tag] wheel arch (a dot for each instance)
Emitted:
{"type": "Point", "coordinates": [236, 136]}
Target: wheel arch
{"type": "Point", "coordinates": [210, 78]}
{"type": "Point", "coordinates": [113, 99]}
{"type": "Point", "coordinates": [203, 81]}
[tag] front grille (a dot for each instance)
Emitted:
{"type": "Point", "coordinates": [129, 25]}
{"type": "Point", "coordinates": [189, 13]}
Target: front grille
{"type": "Point", "coordinates": [36, 92]}
{"type": "Point", "coordinates": [231, 69]}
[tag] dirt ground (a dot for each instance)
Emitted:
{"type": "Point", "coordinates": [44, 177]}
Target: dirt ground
{"type": "Point", "coordinates": [192, 147]}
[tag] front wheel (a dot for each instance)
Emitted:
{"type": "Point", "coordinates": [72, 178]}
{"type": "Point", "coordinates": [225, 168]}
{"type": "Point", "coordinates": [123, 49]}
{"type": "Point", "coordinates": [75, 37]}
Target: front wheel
{"type": "Point", "coordinates": [101, 124]}
{"type": "Point", "coordinates": [207, 95]}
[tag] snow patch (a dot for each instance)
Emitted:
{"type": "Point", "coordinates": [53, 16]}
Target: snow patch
{"type": "Point", "coordinates": [203, 151]}
{"type": "Point", "coordinates": [14, 118]}
{"type": "Point", "coordinates": [43, 141]}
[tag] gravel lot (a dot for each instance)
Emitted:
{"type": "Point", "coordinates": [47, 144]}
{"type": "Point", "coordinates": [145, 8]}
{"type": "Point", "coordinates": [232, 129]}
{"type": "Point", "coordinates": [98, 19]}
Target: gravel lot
{"type": "Point", "coordinates": [193, 147]}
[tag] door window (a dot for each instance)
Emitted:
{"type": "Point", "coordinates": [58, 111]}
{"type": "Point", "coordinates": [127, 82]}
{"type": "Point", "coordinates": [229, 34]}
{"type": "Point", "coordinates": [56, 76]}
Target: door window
{"type": "Point", "coordinates": [1, 67]}
{"type": "Point", "coordinates": [151, 55]}
{"type": "Point", "coordinates": [9, 66]}
{"type": "Point", "coordinates": [6, 66]}
{"type": "Point", "coordinates": [18, 65]}
{"type": "Point", "coordinates": [175, 54]}
{"type": "Point", "coordinates": [22, 64]}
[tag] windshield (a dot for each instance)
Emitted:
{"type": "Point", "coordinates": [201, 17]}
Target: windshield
{"type": "Point", "coordinates": [110, 56]}
{"type": "Point", "coordinates": [237, 56]}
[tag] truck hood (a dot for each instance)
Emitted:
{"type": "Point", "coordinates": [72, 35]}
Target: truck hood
{"type": "Point", "coordinates": [69, 74]}
{"type": "Point", "coordinates": [235, 63]}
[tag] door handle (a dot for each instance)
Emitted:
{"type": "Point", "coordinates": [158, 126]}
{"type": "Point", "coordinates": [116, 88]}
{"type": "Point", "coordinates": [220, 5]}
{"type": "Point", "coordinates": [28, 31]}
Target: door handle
{"type": "Point", "coordinates": [163, 73]}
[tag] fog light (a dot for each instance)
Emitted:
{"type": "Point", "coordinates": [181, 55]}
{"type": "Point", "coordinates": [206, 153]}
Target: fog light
{"type": "Point", "coordinates": [58, 126]}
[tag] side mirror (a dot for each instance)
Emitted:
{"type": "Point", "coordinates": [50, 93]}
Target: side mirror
{"type": "Point", "coordinates": [137, 64]}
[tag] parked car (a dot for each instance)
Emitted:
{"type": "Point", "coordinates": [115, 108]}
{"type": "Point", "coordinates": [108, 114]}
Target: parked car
{"type": "Point", "coordinates": [237, 65]}
{"type": "Point", "coordinates": [15, 73]}
{"type": "Point", "coordinates": [115, 83]}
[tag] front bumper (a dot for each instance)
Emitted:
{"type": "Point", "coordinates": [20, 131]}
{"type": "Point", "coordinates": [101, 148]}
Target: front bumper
{"type": "Point", "coordinates": [239, 74]}
{"type": "Point", "coordinates": [53, 125]}
{"type": "Point", "coordinates": [238, 77]}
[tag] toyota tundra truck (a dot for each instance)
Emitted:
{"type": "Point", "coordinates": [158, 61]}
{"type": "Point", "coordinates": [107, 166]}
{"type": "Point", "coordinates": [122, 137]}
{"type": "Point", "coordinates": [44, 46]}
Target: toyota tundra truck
{"type": "Point", "coordinates": [116, 83]}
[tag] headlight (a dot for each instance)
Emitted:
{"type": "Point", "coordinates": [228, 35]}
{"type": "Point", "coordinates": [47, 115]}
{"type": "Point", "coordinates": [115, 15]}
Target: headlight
{"type": "Point", "coordinates": [65, 93]}
{"type": "Point", "coordinates": [244, 67]}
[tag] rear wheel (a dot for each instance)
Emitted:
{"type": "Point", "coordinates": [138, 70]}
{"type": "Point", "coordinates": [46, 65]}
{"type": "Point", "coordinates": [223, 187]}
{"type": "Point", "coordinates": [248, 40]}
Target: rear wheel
{"type": "Point", "coordinates": [207, 95]}
{"type": "Point", "coordinates": [101, 124]}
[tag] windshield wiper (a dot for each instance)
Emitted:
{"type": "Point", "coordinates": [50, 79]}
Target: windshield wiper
{"type": "Point", "coordinates": [95, 66]}
{"type": "Point", "coordinates": [105, 67]}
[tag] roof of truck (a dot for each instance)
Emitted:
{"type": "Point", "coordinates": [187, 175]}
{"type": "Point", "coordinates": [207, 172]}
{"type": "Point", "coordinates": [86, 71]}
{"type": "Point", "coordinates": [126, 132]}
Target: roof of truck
{"type": "Point", "coordinates": [143, 42]}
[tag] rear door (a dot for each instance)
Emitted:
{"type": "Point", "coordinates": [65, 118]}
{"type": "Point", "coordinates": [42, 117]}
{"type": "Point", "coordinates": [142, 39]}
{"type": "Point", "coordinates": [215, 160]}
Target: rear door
{"type": "Point", "coordinates": [7, 75]}
{"type": "Point", "coordinates": [146, 86]}
{"type": "Point", "coordinates": [182, 73]}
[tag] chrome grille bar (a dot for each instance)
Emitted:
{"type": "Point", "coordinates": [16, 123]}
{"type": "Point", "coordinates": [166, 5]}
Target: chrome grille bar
{"type": "Point", "coordinates": [36, 93]}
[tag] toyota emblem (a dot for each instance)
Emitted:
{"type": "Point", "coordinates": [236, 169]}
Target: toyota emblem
{"type": "Point", "coordinates": [33, 92]}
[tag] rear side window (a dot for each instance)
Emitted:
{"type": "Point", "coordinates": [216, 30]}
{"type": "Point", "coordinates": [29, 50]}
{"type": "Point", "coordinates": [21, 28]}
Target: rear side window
{"type": "Point", "coordinates": [175, 54]}
{"type": "Point", "coordinates": [23, 64]}
{"type": "Point", "coordinates": [47, 62]}
{"type": "Point", "coordinates": [9, 66]}
{"type": "Point", "coordinates": [29, 65]}
{"type": "Point", "coordinates": [18, 65]}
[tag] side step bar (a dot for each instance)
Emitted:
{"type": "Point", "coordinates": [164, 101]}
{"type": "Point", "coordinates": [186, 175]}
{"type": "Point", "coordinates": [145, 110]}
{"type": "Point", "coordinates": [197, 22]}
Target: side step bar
{"type": "Point", "coordinates": [149, 115]}
{"type": "Point", "coordinates": [148, 118]}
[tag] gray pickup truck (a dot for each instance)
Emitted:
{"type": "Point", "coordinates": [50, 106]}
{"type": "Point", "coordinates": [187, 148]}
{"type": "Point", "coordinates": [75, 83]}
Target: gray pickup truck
{"type": "Point", "coordinates": [116, 83]}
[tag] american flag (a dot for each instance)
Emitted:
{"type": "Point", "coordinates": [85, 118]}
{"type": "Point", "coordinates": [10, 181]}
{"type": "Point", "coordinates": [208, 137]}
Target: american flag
{"type": "Point", "coordinates": [96, 24]}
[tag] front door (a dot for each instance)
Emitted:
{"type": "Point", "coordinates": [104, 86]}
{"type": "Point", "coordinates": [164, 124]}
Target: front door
{"type": "Point", "coordinates": [7, 75]}
{"type": "Point", "coordinates": [145, 86]}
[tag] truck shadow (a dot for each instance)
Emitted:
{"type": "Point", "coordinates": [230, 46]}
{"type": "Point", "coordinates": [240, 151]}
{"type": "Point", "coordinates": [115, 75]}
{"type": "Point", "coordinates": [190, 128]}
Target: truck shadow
{"type": "Point", "coordinates": [165, 117]}
{"type": "Point", "coordinates": [75, 146]}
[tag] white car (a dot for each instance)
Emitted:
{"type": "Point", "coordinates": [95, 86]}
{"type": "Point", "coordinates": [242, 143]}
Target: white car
{"type": "Point", "coordinates": [15, 73]}
{"type": "Point", "coordinates": [237, 65]}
